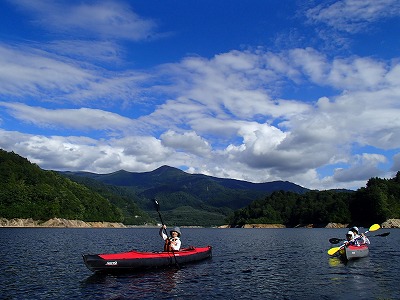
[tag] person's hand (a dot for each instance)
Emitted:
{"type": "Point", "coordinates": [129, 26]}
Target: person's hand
{"type": "Point", "coordinates": [164, 226]}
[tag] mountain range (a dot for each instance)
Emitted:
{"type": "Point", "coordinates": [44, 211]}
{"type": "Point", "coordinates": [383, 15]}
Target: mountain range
{"type": "Point", "coordinates": [185, 199]}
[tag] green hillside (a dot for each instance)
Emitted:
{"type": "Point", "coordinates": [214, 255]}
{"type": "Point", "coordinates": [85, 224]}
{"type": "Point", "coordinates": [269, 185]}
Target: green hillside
{"type": "Point", "coordinates": [375, 203]}
{"type": "Point", "coordinates": [26, 191]}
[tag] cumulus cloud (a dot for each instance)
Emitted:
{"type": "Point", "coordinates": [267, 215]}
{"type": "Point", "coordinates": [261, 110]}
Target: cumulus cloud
{"type": "Point", "coordinates": [140, 153]}
{"type": "Point", "coordinates": [365, 114]}
{"type": "Point", "coordinates": [364, 167]}
{"type": "Point", "coordinates": [187, 142]}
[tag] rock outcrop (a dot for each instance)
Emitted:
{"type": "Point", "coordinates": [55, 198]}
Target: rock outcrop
{"type": "Point", "coordinates": [391, 223]}
{"type": "Point", "coordinates": [264, 226]}
{"type": "Point", "coordinates": [58, 222]}
{"type": "Point", "coordinates": [336, 225]}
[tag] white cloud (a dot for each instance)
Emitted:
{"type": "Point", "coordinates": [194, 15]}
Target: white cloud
{"type": "Point", "coordinates": [106, 20]}
{"type": "Point", "coordinates": [353, 15]}
{"type": "Point", "coordinates": [27, 71]}
{"type": "Point", "coordinates": [84, 50]}
{"type": "Point", "coordinates": [396, 163]}
{"type": "Point", "coordinates": [357, 73]}
{"type": "Point", "coordinates": [146, 150]}
{"type": "Point", "coordinates": [84, 119]}
{"type": "Point", "coordinates": [187, 142]}
{"type": "Point", "coordinates": [315, 136]}
{"type": "Point", "coordinates": [363, 167]}
{"type": "Point", "coordinates": [139, 153]}
{"type": "Point", "coordinates": [309, 62]}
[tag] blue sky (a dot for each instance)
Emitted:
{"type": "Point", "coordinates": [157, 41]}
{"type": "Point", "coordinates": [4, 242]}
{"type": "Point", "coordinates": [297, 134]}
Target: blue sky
{"type": "Point", "coordinates": [260, 90]}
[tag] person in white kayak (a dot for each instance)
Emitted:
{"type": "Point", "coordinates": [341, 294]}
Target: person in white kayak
{"type": "Point", "coordinates": [359, 239]}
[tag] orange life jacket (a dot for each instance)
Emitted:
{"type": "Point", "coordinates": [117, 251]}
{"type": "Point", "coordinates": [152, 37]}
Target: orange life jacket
{"type": "Point", "coordinates": [167, 246]}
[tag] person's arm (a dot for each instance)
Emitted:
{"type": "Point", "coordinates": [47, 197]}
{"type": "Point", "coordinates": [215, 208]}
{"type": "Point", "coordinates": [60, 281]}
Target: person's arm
{"type": "Point", "coordinates": [162, 234]}
{"type": "Point", "coordinates": [365, 240]}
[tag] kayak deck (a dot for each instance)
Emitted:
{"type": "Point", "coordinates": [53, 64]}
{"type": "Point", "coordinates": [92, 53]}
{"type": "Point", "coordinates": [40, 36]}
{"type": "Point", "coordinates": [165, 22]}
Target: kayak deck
{"type": "Point", "coordinates": [136, 260]}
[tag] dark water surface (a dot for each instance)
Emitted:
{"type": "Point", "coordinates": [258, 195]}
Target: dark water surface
{"type": "Point", "coordinates": [44, 263]}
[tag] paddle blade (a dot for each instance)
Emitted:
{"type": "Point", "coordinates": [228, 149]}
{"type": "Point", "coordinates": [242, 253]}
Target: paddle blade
{"type": "Point", "coordinates": [374, 227]}
{"type": "Point", "coordinates": [335, 240]}
{"type": "Point", "coordinates": [156, 204]}
{"type": "Point", "coordinates": [333, 250]}
{"type": "Point", "coordinates": [383, 234]}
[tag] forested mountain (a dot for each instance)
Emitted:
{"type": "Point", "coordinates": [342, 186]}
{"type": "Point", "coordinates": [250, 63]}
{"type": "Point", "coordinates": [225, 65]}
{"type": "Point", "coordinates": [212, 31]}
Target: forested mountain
{"type": "Point", "coordinates": [166, 175]}
{"type": "Point", "coordinates": [216, 192]}
{"type": "Point", "coordinates": [26, 191]}
{"type": "Point", "coordinates": [188, 199]}
{"type": "Point", "coordinates": [375, 203]}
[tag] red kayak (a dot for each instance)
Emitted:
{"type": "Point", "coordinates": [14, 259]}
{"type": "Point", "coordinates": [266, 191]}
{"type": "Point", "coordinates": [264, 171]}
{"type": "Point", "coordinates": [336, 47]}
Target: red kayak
{"type": "Point", "coordinates": [135, 260]}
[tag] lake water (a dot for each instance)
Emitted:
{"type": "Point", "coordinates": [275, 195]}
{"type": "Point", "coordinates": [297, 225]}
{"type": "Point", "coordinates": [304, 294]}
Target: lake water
{"type": "Point", "coordinates": [46, 263]}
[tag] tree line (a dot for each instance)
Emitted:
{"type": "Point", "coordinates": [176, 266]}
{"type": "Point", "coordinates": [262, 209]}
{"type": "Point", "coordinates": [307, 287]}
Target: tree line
{"type": "Point", "coordinates": [375, 203]}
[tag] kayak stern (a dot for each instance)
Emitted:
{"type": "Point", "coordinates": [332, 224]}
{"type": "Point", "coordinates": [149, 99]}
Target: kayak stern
{"type": "Point", "coordinates": [354, 252]}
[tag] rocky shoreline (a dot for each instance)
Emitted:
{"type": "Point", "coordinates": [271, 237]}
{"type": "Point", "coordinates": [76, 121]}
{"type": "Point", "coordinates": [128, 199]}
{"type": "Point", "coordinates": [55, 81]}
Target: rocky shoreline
{"type": "Point", "coordinates": [58, 222]}
{"type": "Point", "coordinates": [64, 223]}
{"type": "Point", "coordinates": [391, 223]}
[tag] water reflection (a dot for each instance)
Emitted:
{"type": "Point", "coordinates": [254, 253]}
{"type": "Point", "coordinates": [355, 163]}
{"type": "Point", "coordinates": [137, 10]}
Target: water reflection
{"type": "Point", "coordinates": [335, 261]}
{"type": "Point", "coordinates": [136, 284]}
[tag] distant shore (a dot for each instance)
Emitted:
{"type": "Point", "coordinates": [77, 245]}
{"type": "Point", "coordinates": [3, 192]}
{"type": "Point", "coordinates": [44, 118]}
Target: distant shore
{"type": "Point", "coordinates": [64, 223]}
{"type": "Point", "coordinates": [330, 225]}
{"type": "Point", "coordinates": [58, 222]}
{"type": "Point", "coordinates": [391, 223]}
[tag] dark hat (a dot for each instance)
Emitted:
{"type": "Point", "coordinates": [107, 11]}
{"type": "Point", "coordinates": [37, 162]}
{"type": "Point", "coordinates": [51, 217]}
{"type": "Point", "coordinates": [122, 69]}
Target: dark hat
{"type": "Point", "coordinates": [176, 229]}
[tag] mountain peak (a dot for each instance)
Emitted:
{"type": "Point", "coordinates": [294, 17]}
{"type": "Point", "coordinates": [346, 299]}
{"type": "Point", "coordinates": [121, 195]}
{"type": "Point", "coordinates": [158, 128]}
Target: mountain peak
{"type": "Point", "coordinates": [167, 169]}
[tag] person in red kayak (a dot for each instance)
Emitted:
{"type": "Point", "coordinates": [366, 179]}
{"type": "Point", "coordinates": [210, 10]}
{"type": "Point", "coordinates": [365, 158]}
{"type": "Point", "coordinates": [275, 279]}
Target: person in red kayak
{"type": "Point", "coordinates": [172, 243]}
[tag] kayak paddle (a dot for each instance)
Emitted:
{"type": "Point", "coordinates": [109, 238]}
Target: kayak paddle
{"type": "Point", "coordinates": [333, 250]}
{"type": "Point", "coordinates": [337, 241]}
{"type": "Point", "coordinates": [157, 206]}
